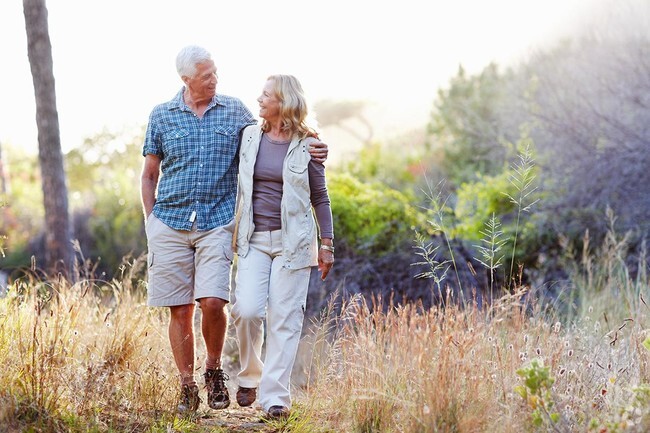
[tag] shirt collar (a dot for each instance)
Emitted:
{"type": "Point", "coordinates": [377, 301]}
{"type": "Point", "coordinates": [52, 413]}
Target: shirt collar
{"type": "Point", "coordinates": [177, 102]}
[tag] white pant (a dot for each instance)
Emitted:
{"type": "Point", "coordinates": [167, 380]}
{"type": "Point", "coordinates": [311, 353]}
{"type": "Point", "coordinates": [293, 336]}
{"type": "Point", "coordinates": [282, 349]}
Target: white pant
{"type": "Point", "coordinates": [263, 283]}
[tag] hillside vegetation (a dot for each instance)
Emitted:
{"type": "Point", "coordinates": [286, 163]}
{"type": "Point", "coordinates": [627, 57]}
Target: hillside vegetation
{"type": "Point", "coordinates": [491, 271]}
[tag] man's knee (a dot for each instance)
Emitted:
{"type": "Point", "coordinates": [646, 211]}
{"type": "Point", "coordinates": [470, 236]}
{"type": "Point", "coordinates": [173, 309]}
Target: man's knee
{"type": "Point", "coordinates": [182, 313]}
{"type": "Point", "coordinates": [214, 306]}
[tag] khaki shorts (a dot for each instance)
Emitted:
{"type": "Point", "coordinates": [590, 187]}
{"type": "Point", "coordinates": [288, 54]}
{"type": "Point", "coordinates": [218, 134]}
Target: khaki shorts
{"type": "Point", "coordinates": [184, 266]}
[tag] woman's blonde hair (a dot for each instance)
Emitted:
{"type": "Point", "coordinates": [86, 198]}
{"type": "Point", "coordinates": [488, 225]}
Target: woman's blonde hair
{"type": "Point", "coordinates": [293, 106]}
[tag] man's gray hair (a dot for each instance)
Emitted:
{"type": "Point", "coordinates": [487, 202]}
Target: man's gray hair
{"type": "Point", "coordinates": [188, 57]}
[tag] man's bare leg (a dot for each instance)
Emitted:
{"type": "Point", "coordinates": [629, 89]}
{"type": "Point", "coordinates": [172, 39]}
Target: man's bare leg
{"type": "Point", "coordinates": [214, 324]}
{"type": "Point", "coordinates": [181, 337]}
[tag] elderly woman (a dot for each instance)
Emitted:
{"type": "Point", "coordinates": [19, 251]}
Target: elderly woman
{"type": "Point", "coordinates": [280, 190]}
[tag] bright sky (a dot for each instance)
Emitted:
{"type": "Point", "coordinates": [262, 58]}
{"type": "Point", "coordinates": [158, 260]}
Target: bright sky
{"type": "Point", "coordinates": [114, 60]}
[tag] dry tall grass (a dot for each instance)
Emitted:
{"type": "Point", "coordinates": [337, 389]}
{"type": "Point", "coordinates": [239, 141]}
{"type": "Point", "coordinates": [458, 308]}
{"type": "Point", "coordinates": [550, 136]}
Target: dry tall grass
{"type": "Point", "coordinates": [91, 357]}
{"type": "Point", "coordinates": [456, 369]}
{"type": "Point", "coordinates": [397, 368]}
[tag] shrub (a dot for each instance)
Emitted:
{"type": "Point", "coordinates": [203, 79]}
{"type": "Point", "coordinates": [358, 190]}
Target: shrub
{"type": "Point", "coordinates": [370, 218]}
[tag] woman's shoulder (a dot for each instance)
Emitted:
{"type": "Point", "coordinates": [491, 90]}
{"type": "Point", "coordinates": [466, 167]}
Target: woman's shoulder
{"type": "Point", "coordinates": [251, 128]}
{"type": "Point", "coordinates": [250, 131]}
{"type": "Point", "coordinates": [309, 140]}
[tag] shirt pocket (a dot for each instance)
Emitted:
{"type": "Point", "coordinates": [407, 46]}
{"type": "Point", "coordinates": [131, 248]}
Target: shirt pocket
{"type": "Point", "coordinates": [226, 130]}
{"type": "Point", "coordinates": [226, 139]}
{"type": "Point", "coordinates": [176, 142]}
{"type": "Point", "coordinates": [175, 134]}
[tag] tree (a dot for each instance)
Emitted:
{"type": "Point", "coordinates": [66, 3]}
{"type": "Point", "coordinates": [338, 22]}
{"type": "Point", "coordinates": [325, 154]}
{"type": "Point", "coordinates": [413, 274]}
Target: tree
{"type": "Point", "coordinates": [593, 111]}
{"type": "Point", "coordinates": [59, 254]}
{"type": "Point", "coordinates": [473, 122]}
{"type": "Point", "coordinates": [337, 113]}
{"type": "Point", "coordinates": [103, 181]}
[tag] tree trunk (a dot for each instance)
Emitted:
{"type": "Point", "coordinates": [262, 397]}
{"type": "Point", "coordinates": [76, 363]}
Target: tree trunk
{"type": "Point", "coordinates": [3, 211]}
{"type": "Point", "coordinates": [4, 182]}
{"type": "Point", "coordinates": [58, 246]}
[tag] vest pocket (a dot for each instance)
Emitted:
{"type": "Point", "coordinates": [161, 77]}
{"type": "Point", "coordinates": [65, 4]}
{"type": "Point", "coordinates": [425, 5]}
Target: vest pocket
{"type": "Point", "coordinates": [297, 168]}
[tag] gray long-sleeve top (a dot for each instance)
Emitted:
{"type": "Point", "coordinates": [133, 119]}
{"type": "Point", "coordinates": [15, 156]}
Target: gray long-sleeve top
{"type": "Point", "coordinates": [267, 189]}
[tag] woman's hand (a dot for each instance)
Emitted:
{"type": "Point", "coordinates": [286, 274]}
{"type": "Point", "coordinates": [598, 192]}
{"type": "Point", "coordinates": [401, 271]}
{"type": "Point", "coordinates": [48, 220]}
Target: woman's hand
{"type": "Point", "coordinates": [325, 258]}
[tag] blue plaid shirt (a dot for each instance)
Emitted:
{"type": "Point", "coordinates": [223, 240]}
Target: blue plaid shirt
{"type": "Point", "coordinates": [199, 160]}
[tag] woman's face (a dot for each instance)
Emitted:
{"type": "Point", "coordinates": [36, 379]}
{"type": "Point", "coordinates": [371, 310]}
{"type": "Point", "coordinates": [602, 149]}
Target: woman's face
{"type": "Point", "coordinates": [269, 102]}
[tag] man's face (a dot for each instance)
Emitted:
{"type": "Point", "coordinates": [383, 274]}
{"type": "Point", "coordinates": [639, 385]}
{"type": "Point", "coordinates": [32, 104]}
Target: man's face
{"type": "Point", "coordinates": [204, 83]}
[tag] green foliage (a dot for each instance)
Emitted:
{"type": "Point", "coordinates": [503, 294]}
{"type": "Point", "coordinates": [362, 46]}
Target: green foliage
{"type": "Point", "coordinates": [465, 123]}
{"type": "Point", "coordinates": [2, 237]}
{"type": "Point", "coordinates": [104, 177]}
{"type": "Point", "coordinates": [397, 164]}
{"type": "Point", "coordinates": [536, 392]}
{"type": "Point", "coordinates": [103, 184]}
{"type": "Point", "coordinates": [508, 195]}
{"type": "Point", "coordinates": [23, 214]}
{"type": "Point", "coordinates": [376, 163]}
{"type": "Point", "coordinates": [476, 202]}
{"type": "Point", "coordinates": [370, 218]}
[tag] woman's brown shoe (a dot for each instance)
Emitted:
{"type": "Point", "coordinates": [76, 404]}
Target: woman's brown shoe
{"type": "Point", "coordinates": [246, 396]}
{"type": "Point", "coordinates": [278, 412]}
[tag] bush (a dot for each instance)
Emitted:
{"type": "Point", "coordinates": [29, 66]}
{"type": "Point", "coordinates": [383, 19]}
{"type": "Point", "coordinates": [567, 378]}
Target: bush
{"type": "Point", "coordinates": [370, 218]}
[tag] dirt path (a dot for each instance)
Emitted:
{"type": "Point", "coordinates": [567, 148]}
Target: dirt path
{"type": "Point", "coordinates": [235, 420]}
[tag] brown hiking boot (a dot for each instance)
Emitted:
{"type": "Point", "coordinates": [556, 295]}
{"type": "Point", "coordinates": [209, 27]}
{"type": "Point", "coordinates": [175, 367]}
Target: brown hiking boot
{"type": "Point", "coordinates": [189, 401]}
{"type": "Point", "coordinates": [278, 412]}
{"type": "Point", "coordinates": [246, 396]}
{"type": "Point", "coordinates": [215, 382]}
